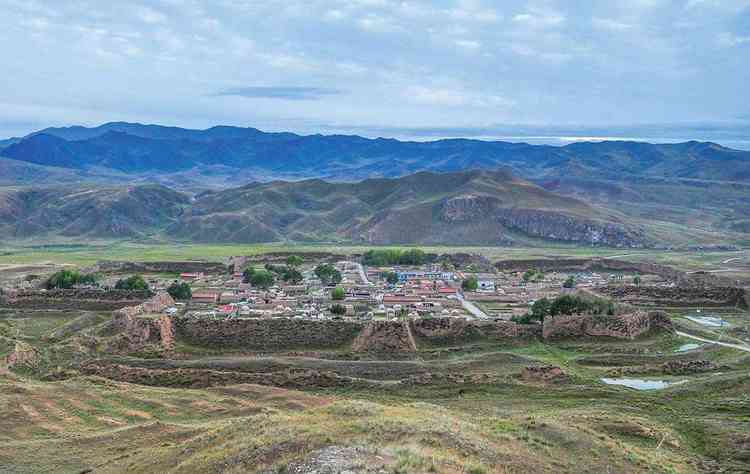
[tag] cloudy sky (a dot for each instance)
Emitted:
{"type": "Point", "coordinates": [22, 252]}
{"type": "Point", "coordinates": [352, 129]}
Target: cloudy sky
{"type": "Point", "coordinates": [472, 67]}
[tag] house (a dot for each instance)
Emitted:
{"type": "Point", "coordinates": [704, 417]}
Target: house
{"type": "Point", "coordinates": [205, 297]}
{"type": "Point", "coordinates": [187, 276]}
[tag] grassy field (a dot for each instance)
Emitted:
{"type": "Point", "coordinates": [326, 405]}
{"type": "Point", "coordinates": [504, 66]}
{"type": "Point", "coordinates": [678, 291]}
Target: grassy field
{"type": "Point", "coordinates": [19, 253]}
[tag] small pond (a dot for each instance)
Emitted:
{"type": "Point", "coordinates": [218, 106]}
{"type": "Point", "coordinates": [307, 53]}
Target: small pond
{"type": "Point", "coordinates": [640, 384]}
{"type": "Point", "coordinates": [709, 321]}
{"type": "Point", "coordinates": [687, 347]}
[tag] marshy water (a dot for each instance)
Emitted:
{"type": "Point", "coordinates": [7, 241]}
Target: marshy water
{"type": "Point", "coordinates": [711, 321]}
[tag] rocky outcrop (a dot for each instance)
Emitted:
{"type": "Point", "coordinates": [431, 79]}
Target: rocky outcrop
{"type": "Point", "coordinates": [625, 326]}
{"type": "Point", "coordinates": [556, 226]}
{"type": "Point", "coordinates": [93, 299]}
{"type": "Point", "coordinates": [385, 337]}
{"type": "Point", "coordinates": [672, 367]}
{"type": "Point", "coordinates": [467, 207]}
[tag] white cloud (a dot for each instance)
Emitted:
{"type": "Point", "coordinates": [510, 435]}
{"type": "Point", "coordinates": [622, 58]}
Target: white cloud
{"type": "Point", "coordinates": [469, 45]}
{"type": "Point", "coordinates": [610, 24]}
{"type": "Point", "coordinates": [730, 39]}
{"type": "Point", "coordinates": [448, 97]}
{"type": "Point", "coordinates": [537, 18]}
{"type": "Point", "coordinates": [151, 16]}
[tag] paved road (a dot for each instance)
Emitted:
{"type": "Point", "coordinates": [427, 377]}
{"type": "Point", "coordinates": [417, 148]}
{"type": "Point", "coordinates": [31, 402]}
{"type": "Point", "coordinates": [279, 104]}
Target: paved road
{"type": "Point", "coordinates": [362, 273]}
{"type": "Point", "coordinates": [471, 307]}
{"type": "Point", "coordinates": [725, 344]}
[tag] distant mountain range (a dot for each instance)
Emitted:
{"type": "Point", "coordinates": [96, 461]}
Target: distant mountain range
{"type": "Point", "coordinates": [644, 192]}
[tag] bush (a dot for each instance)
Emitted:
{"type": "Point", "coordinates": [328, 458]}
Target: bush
{"type": "Point", "coordinates": [69, 279]}
{"type": "Point", "coordinates": [574, 304]}
{"type": "Point", "coordinates": [294, 261]}
{"type": "Point", "coordinates": [470, 284]}
{"type": "Point", "coordinates": [292, 275]}
{"type": "Point", "coordinates": [570, 282]}
{"type": "Point", "coordinates": [180, 291]}
{"type": "Point", "coordinates": [391, 278]}
{"type": "Point", "coordinates": [338, 294]}
{"type": "Point", "coordinates": [135, 282]}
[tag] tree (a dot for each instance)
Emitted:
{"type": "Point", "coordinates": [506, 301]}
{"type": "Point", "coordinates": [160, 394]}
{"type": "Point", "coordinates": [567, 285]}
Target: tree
{"type": "Point", "coordinates": [294, 261]}
{"type": "Point", "coordinates": [637, 280]}
{"type": "Point", "coordinates": [247, 274]}
{"type": "Point", "coordinates": [338, 294]}
{"type": "Point", "coordinates": [292, 275]}
{"type": "Point", "coordinates": [262, 279]}
{"type": "Point", "coordinates": [470, 284]}
{"type": "Point", "coordinates": [541, 309]}
{"type": "Point", "coordinates": [533, 275]}
{"type": "Point", "coordinates": [328, 274]}
{"type": "Point", "coordinates": [391, 278]}
{"type": "Point", "coordinates": [69, 279]}
{"type": "Point", "coordinates": [570, 282]}
{"type": "Point", "coordinates": [133, 283]}
{"type": "Point", "coordinates": [338, 309]}
{"type": "Point", "coordinates": [180, 291]}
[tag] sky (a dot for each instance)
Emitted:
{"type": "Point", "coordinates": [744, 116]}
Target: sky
{"type": "Point", "coordinates": [658, 68]}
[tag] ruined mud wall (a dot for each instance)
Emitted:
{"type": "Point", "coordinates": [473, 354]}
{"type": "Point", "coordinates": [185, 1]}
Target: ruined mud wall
{"type": "Point", "coordinates": [389, 337]}
{"type": "Point", "coordinates": [142, 326]}
{"type": "Point", "coordinates": [112, 266]}
{"type": "Point", "coordinates": [626, 326]}
{"type": "Point", "coordinates": [450, 331]}
{"type": "Point", "coordinates": [677, 296]}
{"type": "Point", "coordinates": [606, 264]}
{"type": "Point", "coordinates": [72, 299]}
{"type": "Point", "coordinates": [268, 334]}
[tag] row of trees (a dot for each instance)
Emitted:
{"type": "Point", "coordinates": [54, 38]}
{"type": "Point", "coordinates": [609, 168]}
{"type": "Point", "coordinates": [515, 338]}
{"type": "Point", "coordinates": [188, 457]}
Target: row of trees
{"type": "Point", "coordinates": [328, 274]}
{"type": "Point", "coordinates": [566, 304]}
{"type": "Point", "coordinates": [384, 257]}
{"type": "Point", "coordinates": [69, 278]}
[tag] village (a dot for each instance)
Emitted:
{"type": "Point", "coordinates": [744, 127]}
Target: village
{"type": "Point", "coordinates": [348, 289]}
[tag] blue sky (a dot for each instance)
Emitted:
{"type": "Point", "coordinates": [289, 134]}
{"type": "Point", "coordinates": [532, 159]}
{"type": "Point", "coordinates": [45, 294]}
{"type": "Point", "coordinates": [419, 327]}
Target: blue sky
{"type": "Point", "coordinates": [386, 67]}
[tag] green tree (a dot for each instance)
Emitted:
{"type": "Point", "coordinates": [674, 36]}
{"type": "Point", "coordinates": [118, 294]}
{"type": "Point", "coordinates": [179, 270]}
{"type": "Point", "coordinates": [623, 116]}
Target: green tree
{"type": "Point", "coordinates": [570, 282]}
{"type": "Point", "coordinates": [262, 279]}
{"type": "Point", "coordinates": [135, 282]}
{"type": "Point", "coordinates": [470, 284]}
{"type": "Point", "coordinates": [180, 291]}
{"type": "Point", "coordinates": [391, 278]}
{"type": "Point", "coordinates": [294, 260]}
{"type": "Point", "coordinates": [68, 279]}
{"type": "Point", "coordinates": [637, 280]}
{"type": "Point", "coordinates": [292, 275]}
{"type": "Point", "coordinates": [328, 274]}
{"type": "Point", "coordinates": [247, 274]}
{"type": "Point", "coordinates": [541, 309]}
{"type": "Point", "coordinates": [533, 275]}
{"type": "Point", "coordinates": [338, 294]}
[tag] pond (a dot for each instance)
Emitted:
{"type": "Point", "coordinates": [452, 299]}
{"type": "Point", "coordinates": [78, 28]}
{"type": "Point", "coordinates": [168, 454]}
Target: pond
{"type": "Point", "coordinates": [709, 321]}
{"type": "Point", "coordinates": [640, 384]}
{"type": "Point", "coordinates": [687, 347]}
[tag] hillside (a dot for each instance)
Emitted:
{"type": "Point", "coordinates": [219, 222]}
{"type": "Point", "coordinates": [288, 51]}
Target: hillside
{"type": "Point", "coordinates": [474, 207]}
{"type": "Point", "coordinates": [135, 148]}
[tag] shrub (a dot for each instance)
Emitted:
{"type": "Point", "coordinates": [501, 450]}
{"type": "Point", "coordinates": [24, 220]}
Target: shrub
{"type": "Point", "coordinates": [135, 282]}
{"type": "Point", "coordinates": [470, 284]}
{"type": "Point", "coordinates": [570, 282]}
{"type": "Point", "coordinates": [533, 275]}
{"type": "Point", "coordinates": [180, 291]}
{"type": "Point", "coordinates": [338, 294]}
{"type": "Point", "coordinates": [294, 260]}
{"type": "Point", "coordinates": [262, 279]}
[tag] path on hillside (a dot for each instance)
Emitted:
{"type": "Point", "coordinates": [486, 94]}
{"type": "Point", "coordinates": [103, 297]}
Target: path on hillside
{"type": "Point", "coordinates": [471, 307]}
{"type": "Point", "coordinates": [725, 344]}
{"type": "Point", "coordinates": [362, 274]}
